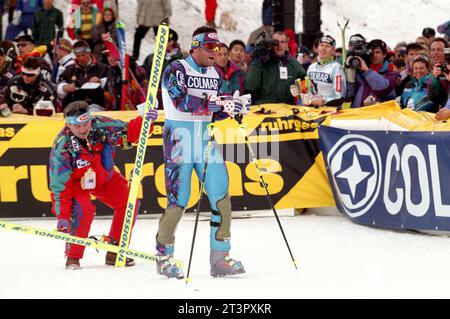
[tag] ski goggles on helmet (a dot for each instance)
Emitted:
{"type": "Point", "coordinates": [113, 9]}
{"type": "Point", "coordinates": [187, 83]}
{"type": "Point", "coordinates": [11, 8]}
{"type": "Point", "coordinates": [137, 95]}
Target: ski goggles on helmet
{"type": "Point", "coordinates": [206, 41]}
{"type": "Point", "coordinates": [80, 119]}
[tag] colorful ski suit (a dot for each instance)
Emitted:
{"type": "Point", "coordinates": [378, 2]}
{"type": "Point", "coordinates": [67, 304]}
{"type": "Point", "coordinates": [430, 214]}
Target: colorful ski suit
{"type": "Point", "coordinates": [71, 158]}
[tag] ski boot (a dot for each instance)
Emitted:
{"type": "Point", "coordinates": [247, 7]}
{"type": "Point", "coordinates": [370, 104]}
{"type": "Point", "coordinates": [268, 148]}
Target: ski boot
{"type": "Point", "coordinates": [110, 259]}
{"type": "Point", "coordinates": [165, 264]}
{"type": "Point", "coordinates": [223, 265]}
{"type": "Point", "coordinates": [73, 264]}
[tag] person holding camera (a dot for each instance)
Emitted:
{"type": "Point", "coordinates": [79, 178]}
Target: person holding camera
{"type": "Point", "coordinates": [373, 83]}
{"type": "Point", "coordinates": [440, 60]}
{"type": "Point", "coordinates": [328, 76]}
{"type": "Point", "coordinates": [273, 71]}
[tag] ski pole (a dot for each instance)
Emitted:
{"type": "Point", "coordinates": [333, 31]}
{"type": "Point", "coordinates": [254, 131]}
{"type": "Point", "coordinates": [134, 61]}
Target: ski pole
{"type": "Point", "coordinates": [238, 118]}
{"type": "Point", "coordinates": [202, 187]}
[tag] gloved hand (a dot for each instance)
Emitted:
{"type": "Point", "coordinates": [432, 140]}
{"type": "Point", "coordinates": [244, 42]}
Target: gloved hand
{"type": "Point", "coordinates": [215, 104]}
{"type": "Point", "coordinates": [241, 103]}
{"type": "Point", "coordinates": [294, 90]}
{"type": "Point", "coordinates": [63, 226]}
{"type": "Point", "coordinates": [153, 113]}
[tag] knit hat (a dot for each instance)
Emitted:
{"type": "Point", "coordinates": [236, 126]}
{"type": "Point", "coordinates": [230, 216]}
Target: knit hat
{"type": "Point", "coordinates": [65, 45]}
{"type": "Point", "coordinates": [328, 39]}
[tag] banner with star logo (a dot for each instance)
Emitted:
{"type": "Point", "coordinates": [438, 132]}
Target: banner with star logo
{"type": "Point", "coordinates": [390, 179]}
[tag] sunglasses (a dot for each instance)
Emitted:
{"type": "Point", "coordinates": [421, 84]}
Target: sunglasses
{"type": "Point", "coordinates": [28, 75]}
{"type": "Point", "coordinates": [210, 46]}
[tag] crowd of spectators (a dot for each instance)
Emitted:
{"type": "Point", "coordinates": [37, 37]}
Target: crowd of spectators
{"type": "Point", "coordinates": [44, 59]}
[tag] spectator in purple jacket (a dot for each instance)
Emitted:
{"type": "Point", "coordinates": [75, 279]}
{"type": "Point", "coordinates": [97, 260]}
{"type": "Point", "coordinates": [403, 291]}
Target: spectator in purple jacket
{"type": "Point", "coordinates": [375, 83]}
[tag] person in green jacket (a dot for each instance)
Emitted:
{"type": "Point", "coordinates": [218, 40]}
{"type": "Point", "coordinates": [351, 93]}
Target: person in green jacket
{"type": "Point", "coordinates": [46, 21]}
{"type": "Point", "coordinates": [270, 75]}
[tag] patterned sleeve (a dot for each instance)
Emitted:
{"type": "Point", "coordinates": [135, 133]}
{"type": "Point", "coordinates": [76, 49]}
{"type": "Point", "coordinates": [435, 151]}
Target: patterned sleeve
{"type": "Point", "coordinates": [61, 179]}
{"type": "Point", "coordinates": [174, 83]}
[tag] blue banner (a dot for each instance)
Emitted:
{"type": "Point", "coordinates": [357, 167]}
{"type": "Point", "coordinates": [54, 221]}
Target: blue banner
{"type": "Point", "coordinates": [390, 179]}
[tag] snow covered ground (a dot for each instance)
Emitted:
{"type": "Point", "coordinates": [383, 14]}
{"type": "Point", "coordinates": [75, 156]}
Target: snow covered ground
{"type": "Point", "coordinates": [336, 258]}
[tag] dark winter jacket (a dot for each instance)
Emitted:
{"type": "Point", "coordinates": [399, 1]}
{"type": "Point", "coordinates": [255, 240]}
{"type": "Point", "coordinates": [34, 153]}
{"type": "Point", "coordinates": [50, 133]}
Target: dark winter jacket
{"type": "Point", "coordinates": [45, 22]}
{"type": "Point", "coordinates": [263, 81]}
{"type": "Point", "coordinates": [7, 72]}
{"type": "Point", "coordinates": [438, 90]}
{"type": "Point", "coordinates": [17, 92]}
{"type": "Point", "coordinates": [380, 85]}
{"type": "Point", "coordinates": [96, 37]}
{"type": "Point", "coordinates": [79, 75]}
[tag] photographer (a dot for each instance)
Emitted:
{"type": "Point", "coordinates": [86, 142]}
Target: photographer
{"type": "Point", "coordinates": [272, 71]}
{"type": "Point", "coordinates": [374, 84]}
{"type": "Point", "coordinates": [440, 58]}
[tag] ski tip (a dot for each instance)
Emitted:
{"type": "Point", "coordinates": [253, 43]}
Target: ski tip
{"type": "Point", "coordinates": [165, 21]}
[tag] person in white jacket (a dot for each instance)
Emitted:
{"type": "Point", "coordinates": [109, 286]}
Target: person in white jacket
{"type": "Point", "coordinates": [326, 77]}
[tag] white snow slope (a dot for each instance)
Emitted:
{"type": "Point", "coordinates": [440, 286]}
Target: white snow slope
{"type": "Point", "coordinates": [336, 259]}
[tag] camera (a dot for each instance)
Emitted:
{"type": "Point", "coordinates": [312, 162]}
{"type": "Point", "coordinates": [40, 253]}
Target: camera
{"type": "Point", "coordinates": [263, 46]}
{"type": "Point", "coordinates": [359, 49]}
{"type": "Point", "coordinates": [443, 66]}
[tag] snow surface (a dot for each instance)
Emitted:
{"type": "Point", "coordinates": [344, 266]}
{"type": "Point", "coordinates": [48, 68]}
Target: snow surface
{"type": "Point", "coordinates": [336, 258]}
{"type": "Point", "coordinates": [393, 21]}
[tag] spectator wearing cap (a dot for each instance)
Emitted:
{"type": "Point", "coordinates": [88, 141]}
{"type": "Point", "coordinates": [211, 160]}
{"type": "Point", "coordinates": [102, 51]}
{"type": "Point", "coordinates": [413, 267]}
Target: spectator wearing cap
{"type": "Point", "coordinates": [237, 51]}
{"type": "Point", "coordinates": [372, 84]}
{"type": "Point", "coordinates": [326, 76]}
{"type": "Point", "coordinates": [269, 80]}
{"type": "Point", "coordinates": [27, 9]}
{"type": "Point", "coordinates": [232, 75]}
{"type": "Point", "coordinates": [65, 57]}
{"type": "Point", "coordinates": [46, 21]}
{"type": "Point", "coordinates": [415, 95]}
{"type": "Point", "coordinates": [85, 70]}
{"type": "Point", "coordinates": [7, 71]}
{"type": "Point", "coordinates": [27, 48]}
{"type": "Point", "coordinates": [104, 31]}
{"type": "Point", "coordinates": [23, 91]}
{"type": "Point", "coordinates": [438, 88]}
{"type": "Point", "coordinates": [429, 34]}
{"type": "Point", "coordinates": [173, 53]}
{"type": "Point", "coordinates": [149, 15]}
